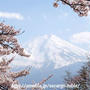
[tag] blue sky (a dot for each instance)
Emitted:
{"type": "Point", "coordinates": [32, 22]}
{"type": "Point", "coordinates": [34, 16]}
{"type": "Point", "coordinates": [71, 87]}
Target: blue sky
{"type": "Point", "coordinates": [39, 17]}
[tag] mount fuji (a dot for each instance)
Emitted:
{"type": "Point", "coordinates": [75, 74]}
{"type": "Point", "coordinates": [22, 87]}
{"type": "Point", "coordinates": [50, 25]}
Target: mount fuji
{"type": "Point", "coordinates": [51, 50]}
{"type": "Point", "coordinates": [51, 55]}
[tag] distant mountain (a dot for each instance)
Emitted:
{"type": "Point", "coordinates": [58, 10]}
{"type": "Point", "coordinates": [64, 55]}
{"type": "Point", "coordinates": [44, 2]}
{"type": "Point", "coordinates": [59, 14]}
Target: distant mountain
{"type": "Point", "coordinates": [51, 55]}
{"type": "Point", "coordinates": [50, 50]}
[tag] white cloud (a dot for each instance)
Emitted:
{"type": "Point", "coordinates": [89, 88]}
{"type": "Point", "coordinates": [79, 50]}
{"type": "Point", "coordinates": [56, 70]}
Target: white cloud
{"type": "Point", "coordinates": [11, 15]}
{"type": "Point", "coordinates": [82, 37]}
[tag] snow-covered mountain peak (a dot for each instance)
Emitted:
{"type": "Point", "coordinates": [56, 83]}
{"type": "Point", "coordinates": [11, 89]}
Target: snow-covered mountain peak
{"type": "Point", "coordinates": [50, 49]}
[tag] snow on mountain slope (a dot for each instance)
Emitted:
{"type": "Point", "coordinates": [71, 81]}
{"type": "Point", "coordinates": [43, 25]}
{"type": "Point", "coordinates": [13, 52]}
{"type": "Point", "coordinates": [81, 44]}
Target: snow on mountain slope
{"type": "Point", "coordinates": [50, 49]}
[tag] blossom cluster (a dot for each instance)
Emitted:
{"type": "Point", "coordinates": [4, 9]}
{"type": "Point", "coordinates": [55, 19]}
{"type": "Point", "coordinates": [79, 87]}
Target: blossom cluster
{"type": "Point", "coordinates": [81, 7]}
{"type": "Point", "coordinates": [8, 78]}
{"type": "Point", "coordinates": [8, 42]}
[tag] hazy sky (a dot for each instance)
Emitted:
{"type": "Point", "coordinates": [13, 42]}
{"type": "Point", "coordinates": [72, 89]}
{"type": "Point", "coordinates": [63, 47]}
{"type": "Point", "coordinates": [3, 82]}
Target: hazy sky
{"type": "Point", "coordinates": [39, 17]}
